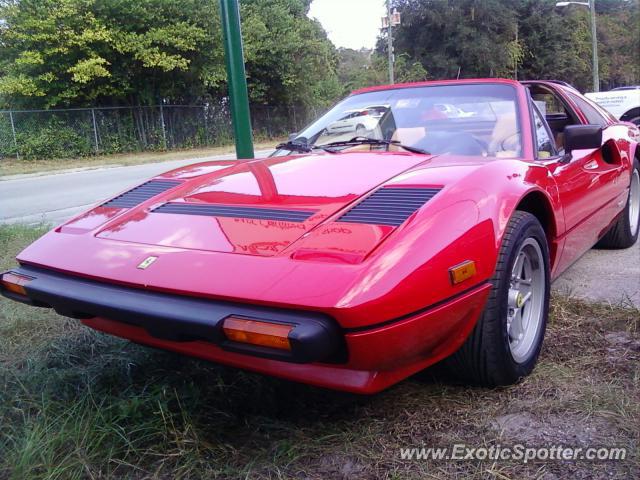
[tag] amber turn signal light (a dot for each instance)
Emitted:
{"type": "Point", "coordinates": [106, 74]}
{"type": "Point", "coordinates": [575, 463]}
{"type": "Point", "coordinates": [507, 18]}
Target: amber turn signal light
{"type": "Point", "coordinates": [462, 272]}
{"type": "Point", "coordinates": [256, 332]}
{"type": "Point", "coordinates": [15, 283]}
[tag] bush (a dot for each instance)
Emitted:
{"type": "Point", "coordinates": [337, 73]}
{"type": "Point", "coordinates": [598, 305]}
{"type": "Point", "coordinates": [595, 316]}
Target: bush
{"type": "Point", "coordinates": [52, 140]}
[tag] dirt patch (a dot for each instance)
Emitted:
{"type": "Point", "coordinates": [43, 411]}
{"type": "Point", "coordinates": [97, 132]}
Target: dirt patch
{"type": "Point", "coordinates": [622, 340]}
{"type": "Point", "coordinates": [572, 429]}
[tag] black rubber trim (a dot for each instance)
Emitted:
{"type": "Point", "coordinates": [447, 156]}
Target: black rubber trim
{"type": "Point", "coordinates": [315, 337]}
{"type": "Point", "coordinates": [433, 306]}
{"type": "Point", "coordinates": [334, 353]}
{"type": "Point", "coordinates": [20, 298]}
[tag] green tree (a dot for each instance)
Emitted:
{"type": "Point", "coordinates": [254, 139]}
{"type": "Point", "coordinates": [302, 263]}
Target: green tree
{"type": "Point", "coordinates": [58, 53]}
{"type": "Point", "coordinates": [288, 56]}
{"type": "Point", "coordinates": [74, 52]}
{"type": "Point", "coordinates": [362, 68]}
{"type": "Point", "coordinates": [619, 43]}
{"type": "Point", "coordinates": [477, 38]}
{"type": "Point", "coordinates": [558, 43]}
{"type": "Point", "coordinates": [451, 38]}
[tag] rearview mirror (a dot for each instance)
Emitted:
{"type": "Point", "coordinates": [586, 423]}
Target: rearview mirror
{"type": "Point", "coordinates": [582, 137]}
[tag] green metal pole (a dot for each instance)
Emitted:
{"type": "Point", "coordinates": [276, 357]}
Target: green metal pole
{"type": "Point", "coordinates": [241, 117]}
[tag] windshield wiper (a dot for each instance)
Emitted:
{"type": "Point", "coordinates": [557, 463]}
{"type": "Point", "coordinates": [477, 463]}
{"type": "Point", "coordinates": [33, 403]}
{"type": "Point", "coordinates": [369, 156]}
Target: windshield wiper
{"type": "Point", "coordinates": [294, 147]}
{"type": "Point", "coordinates": [302, 147]}
{"type": "Point", "coordinates": [372, 141]}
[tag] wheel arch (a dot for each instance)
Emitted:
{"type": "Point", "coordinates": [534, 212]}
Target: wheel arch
{"type": "Point", "coordinates": [631, 113]}
{"type": "Point", "coordinates": [537, 204]}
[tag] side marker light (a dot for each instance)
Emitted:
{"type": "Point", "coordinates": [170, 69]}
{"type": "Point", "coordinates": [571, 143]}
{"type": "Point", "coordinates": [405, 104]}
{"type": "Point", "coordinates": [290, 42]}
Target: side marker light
{"type": "Point", "coordinates": [461, 272]}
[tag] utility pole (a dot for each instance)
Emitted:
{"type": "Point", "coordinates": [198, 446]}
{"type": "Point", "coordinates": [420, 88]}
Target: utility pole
{"type": "Point", "coordinates": [388, 22]}
{"type": "Point", "coordinates": [390, 42]}
{"type": "Point", "coordinates": [515, 66]}
{"type": "Point", "coordinates": [237, 78]}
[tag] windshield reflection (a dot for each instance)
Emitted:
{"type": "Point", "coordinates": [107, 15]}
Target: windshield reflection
{"type": "Point", "coordinates": [470, 119]}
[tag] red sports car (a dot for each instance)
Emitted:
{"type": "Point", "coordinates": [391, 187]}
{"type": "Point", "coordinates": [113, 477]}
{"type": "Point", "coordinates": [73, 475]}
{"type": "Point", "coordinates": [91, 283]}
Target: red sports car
{"type": "Point", "coordinates": [353, 262]}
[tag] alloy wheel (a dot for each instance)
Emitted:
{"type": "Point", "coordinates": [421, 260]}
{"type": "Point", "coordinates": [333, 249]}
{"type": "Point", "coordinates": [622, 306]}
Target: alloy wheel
{"type": "Point", "coordinates": [526, 300]}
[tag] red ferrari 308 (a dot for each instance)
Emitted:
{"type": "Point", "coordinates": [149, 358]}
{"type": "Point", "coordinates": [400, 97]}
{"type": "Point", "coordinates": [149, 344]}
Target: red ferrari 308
{"type": "Point", "coordinates": [352, 262]}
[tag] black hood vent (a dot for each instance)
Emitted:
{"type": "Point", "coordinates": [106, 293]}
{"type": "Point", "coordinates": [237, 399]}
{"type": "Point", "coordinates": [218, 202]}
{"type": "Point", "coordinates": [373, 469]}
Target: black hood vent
{"type": "Point", "coordinates": [389, 205]}
{"type": "Point", "coordinates": [257, 213]}
{"type": "Point", "coordinates": [141, 193]}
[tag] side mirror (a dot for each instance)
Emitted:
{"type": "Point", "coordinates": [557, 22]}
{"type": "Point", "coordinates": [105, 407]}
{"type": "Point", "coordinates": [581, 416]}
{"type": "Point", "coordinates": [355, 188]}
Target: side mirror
{"type": "Point", "coordinates": [292, 136]}
{"type": "Point", "coordinates": [582, 137]}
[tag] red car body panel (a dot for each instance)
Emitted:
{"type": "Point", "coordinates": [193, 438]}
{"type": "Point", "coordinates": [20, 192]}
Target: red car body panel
{"type": "Point", "coordinates": [387, 288]}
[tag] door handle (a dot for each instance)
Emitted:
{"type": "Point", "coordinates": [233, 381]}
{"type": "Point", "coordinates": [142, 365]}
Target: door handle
{"type": "Point", "coordinates": [592, 165]}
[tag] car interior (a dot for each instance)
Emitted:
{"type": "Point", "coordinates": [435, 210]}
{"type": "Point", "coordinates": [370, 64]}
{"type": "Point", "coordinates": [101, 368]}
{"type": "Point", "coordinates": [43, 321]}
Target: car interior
{"type": "Point", "coordinates": [555, 112]}
{"type": "Point", "coordinates": [482, 125]}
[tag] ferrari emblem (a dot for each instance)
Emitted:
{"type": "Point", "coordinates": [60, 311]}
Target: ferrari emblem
{"type": "Point", "coordinates": [147, 262]}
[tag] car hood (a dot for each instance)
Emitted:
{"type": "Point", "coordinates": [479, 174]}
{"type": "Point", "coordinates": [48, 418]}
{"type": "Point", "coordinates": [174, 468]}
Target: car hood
{"type": "Point", "coordinates": [256, 207]}
{"type": "Point", "coordinates": [316, 262]}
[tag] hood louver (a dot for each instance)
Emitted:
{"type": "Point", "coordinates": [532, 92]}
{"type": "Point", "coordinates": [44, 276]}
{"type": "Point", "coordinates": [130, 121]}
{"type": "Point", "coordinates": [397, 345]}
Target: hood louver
{"type": "Point", "coordinates": [141, 193]}
{"type": "Point", "coordinates": [389, 206]}
{"type": "Point", "coordinates": [257, 213]}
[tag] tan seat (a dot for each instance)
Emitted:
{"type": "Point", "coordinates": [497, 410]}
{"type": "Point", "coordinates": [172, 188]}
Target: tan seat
{"type": "Point", "coordinates": [560, 141]}
{"type": "Point", "coordinates": [504, 130]}
{"type": "Point", "coordinates": [409, 136]}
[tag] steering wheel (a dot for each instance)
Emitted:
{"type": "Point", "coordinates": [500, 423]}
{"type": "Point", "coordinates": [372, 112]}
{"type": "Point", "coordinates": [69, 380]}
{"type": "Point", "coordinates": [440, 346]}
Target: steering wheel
{"type": "Point", "coordinates": [455, 143]}
{"type": "Point", "coordinates": [483, 144]}
{"type": "Point", "coordinates": [501, 145]}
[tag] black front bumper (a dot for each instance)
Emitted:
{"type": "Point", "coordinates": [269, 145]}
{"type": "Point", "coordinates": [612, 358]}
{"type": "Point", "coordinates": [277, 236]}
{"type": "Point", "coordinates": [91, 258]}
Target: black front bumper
{"type": "Point", "coordinates": [315, 337]}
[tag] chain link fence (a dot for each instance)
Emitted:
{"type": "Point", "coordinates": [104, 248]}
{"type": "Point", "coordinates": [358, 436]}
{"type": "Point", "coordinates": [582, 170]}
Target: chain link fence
{"type": "Point", "coordinates": [71, 133]}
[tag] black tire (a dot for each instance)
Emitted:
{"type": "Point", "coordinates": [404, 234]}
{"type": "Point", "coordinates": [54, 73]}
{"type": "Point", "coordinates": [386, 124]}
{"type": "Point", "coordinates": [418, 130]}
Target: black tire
{"type": "Point", "coordinates": [620, 234]}
{"type": "Point", "coordinates": [485, 359]}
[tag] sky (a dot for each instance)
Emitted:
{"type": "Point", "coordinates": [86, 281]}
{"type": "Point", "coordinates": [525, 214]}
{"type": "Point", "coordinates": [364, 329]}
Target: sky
{"type": "Point", "coordinates": [350, 23]}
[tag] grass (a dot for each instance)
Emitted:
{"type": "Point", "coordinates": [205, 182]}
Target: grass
{"type": "Point", "coordinates": [12, 166]}
{"type": "Point", "coordinates": [76, 404]}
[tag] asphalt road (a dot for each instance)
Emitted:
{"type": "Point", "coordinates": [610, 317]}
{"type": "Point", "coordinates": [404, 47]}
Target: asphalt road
{"type": "Point", "coordinates": [605, 275]}
{"type": "Point", "coordinates": [55, 197]}
{"type": "Point", "coordinates": [601, 275]}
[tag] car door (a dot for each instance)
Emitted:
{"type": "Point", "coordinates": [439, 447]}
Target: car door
{"type": "Point", "coordinates": [589, 187]}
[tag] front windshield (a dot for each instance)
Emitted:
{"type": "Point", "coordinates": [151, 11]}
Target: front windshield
{"type": "Point", "coordinates": [470, 119]}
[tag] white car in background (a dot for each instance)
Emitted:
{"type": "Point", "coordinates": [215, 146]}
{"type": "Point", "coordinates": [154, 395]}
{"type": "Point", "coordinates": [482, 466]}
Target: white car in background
{"type": "Point", "coordinates": [622, 102]}
{"type": "Point", "coordinates": [359, 121]}
{"type": "Point", "coordinates": [451, 111]}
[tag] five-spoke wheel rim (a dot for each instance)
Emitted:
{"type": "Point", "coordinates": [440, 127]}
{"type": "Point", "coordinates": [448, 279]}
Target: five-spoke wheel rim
{"type": "Point", "coordinates": [634, 202]}
{"type": "Point", "coordinates": [526, 300]}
